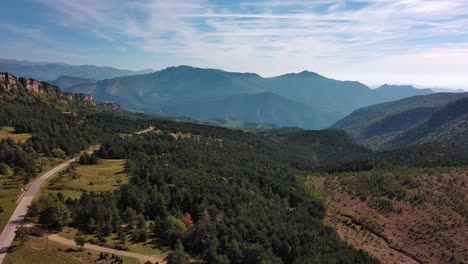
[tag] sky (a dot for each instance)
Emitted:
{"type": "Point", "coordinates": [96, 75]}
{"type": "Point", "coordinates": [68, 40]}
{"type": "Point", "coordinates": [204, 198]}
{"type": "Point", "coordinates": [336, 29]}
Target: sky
{"type": "Point", "coordinates": [419, 42]}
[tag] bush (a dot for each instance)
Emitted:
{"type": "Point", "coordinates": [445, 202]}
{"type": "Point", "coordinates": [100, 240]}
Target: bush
{"type": "Point", "coordinates": [58, 153]}
{"type": "Point", "coordinates": [121, 247]}
{"type": "Point", "coordinates": [87, 159]}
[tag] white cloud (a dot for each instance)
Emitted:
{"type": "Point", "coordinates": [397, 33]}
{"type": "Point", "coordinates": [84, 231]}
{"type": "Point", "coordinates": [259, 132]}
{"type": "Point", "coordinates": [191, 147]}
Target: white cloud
{"type": "Point", "coordinates": [393, 40]}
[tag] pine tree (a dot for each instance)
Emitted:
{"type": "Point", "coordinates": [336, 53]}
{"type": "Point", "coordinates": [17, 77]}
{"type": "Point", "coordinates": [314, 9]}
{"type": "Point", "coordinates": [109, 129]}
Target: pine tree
{"type": "Point", "coordinates": [80, 240]}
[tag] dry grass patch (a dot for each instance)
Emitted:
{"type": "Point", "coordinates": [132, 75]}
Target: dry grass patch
{"type": "Point", "coordinates": [9, 132]}
{"type": "Point", "coordinates": [36, 252]}
{"type": "Point", "coordinates": [427, 224]}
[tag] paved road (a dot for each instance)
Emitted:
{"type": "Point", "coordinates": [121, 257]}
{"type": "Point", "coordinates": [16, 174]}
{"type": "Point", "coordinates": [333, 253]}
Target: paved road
{"type": "Point", "coordinates": [71, 243]}
{"type": "Point", "coordinates": [17, 218]}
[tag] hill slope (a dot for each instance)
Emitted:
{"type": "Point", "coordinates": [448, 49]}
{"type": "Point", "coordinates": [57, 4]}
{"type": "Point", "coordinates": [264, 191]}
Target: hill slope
{"type": "Point", "coordinates": [403, 215]}
{"type": "Point", "coordinates": [449, 124]}
{"type": "Point", "coordinates": [158, 92]}
{"type": "Point", "coordinates": [418, 119]}
{"type": "Point", "coordinates": [46, 71]}
{"type": "Point", "coordinates": [65, 82]}
{"type": "Point", "coordinates": [261, 108]}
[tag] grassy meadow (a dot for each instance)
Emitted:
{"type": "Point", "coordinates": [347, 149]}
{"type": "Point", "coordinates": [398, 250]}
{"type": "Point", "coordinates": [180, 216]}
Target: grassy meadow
{"type": "Point", "coordinates": [107, 175]}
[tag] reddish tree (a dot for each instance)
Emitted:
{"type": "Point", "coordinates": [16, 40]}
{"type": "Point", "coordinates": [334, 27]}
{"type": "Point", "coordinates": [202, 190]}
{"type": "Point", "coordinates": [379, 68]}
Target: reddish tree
{"type": "Point", "coordinates": [188, 220]}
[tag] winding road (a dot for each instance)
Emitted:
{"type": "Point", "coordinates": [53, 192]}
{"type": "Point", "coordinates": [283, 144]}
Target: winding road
{"type": "Point", "coordinates": [17, 218]}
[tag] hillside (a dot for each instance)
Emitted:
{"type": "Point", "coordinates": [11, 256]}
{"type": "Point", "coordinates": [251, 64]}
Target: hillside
{"type": "Point", "coordinates": [395, 92]}
{"type": "Point", "coordinates": [328, 145]}
{"type": "Point", "coordinates": [263, 108]}
{"type": "Point", "coordinates": [183, 89]}
{"type": "Point", "coordinates": [449, 124]}
{"type": "Point", "coordinates": [407, 121]}
{"type": "Point", "coordinates": [65, 82]}
{"type": "Point", "coordinates": [406, 215]}
{"type": "Point", "coordinates": [13, 88]}
{"type": "Point", "coordinates": [46, 71]}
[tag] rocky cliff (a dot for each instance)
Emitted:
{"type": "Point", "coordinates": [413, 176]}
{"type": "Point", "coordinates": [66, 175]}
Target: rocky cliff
{"type": "Point", "coordinates": [11, 87]}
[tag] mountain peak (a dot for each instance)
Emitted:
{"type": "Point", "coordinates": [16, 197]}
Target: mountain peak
{"type": "Point", "coordinates": [302, 74]}
{"type": "Point", "coordinates": [309, 74]}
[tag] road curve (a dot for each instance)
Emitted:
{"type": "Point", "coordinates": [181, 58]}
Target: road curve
{"type": "Point", "coordinates": [17, 218]}
{"type": "Point", "coordinates": [151, 128]}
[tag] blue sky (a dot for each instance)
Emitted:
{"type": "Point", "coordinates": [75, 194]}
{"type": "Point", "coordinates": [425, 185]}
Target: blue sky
{"type": "Point", "coordinates": [421, 42]}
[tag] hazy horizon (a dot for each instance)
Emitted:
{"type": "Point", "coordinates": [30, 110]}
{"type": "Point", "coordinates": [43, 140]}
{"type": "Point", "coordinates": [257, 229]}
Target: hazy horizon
{"type": "Point", "coordinates": [416, 42]}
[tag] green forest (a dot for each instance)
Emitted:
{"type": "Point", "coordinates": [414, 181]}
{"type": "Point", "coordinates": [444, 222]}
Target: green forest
{"type": "Point", "coordinates": [218, 195]}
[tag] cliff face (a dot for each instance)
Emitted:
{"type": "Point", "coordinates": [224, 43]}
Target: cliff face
{"type": "Point", "coordinates": [9, 83]}
{"type": "Point", "coordinates": [10, 86]}
{"type": "Point", "coordinates": [109, 105]}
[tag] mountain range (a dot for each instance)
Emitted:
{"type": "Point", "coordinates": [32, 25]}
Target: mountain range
{"type": "Point", "coordinates": [47, 71]}
{"type": "Point", "coordinates": [305, 99]}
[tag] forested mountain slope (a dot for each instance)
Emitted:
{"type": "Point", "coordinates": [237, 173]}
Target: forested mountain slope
{"type": "Point", "coordinates": [262, 108]}
{"type": "Point", "coordinates": [403, 122]}
{"type": "Point", "coordinates": [449, 124]}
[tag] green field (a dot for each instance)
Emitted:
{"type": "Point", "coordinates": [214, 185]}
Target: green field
{"type": "Point", "coordinates": [10, 190]}
{"type": "Point", "coordinates": [36, 252]}
{"type": "Point", "coordinates": [9, 132]}
{"type": "Point", "coordinates": [107, 175]}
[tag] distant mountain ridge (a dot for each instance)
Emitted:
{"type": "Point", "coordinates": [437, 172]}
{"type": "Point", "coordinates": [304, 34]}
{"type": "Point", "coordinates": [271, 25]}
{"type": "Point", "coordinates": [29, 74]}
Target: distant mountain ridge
{"type": "Point", "coordinates": [444, 90]}
{"type": "Point", "coordinates": [65, 82]}
{"type": "Point", "coordinates": [47, 71]}
{"type": "Point", "coordinates": [198, 92]}
{"type": "Point", "coordinates": [439, 117]}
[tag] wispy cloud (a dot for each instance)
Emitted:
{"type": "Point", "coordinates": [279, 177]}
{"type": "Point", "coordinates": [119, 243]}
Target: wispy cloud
{"type": "Point", "coordinates": [31, 34]}
{"type": "Point", "coordinates": [272, 37]}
